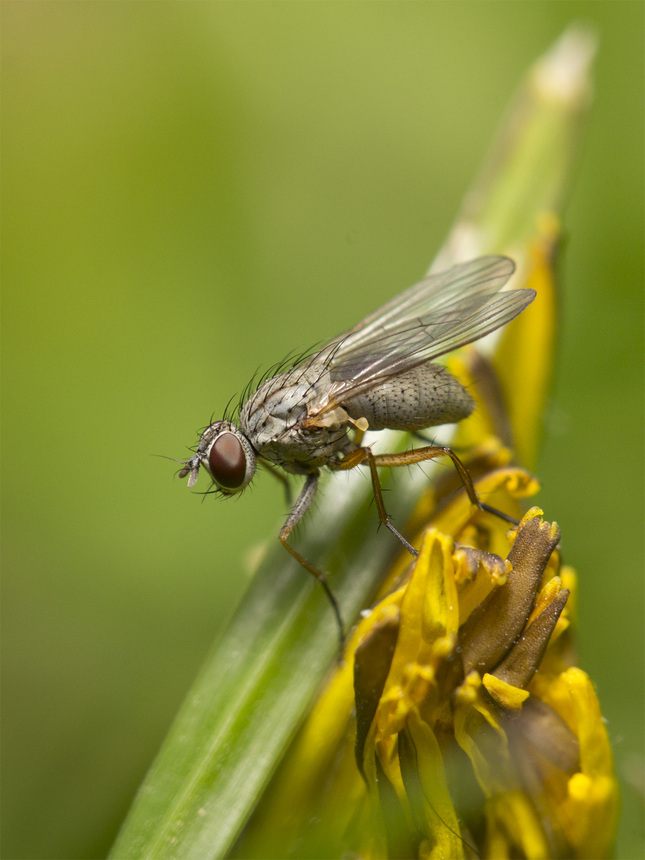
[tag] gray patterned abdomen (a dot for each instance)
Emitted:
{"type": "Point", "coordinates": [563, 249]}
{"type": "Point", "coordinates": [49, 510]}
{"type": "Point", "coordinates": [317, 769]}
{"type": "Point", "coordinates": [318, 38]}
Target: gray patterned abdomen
{"type": "Point", "coordinates": [423, 397]}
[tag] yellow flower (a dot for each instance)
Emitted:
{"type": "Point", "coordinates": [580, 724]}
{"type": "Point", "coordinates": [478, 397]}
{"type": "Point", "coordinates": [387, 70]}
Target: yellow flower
{"type": "Point", "coordinates": [473, 734]}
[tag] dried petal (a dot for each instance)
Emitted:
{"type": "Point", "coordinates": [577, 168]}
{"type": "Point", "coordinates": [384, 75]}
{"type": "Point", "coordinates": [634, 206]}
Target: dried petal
{"type": "Point", "coordinates": [523, 660]}
{"type": "Point", "coordinates": [372, 662]}
{"type": "Point", "coordinates": [489, 633]}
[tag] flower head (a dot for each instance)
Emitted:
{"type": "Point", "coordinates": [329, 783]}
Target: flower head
{"type": "Point", "coordinates": [473, 734]}
{"type": "Point", "coordinates": [481, 732]}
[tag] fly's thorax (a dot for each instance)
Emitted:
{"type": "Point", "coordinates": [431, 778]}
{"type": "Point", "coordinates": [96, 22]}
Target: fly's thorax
{"type": "Point", "coordinates": [273, 419]}
{"type": "Point", "coordinates": [423, 397]}
{"type": "Point", "coordinates": [226, 454]}
{"type": "Point", "coordinates": [281, 402]}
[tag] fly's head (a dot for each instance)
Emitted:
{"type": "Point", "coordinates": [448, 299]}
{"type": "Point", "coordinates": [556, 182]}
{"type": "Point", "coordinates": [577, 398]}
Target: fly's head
{"type": "Point", "coordinates": [226, 454]}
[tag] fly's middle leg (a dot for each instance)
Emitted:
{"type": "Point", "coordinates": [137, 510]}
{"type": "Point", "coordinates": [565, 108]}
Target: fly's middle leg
{"type": "Point", "coordinates": [302, 505]}
{"type": "Point", "coordinates": [362, 455]}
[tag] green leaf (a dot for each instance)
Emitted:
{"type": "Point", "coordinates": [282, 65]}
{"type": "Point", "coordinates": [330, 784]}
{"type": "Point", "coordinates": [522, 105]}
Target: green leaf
{"type": "Point", "coordinates": [258, 683]}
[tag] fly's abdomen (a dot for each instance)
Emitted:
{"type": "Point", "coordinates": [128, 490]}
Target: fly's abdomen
{"type": "Point", "coordinates": [423, 397]}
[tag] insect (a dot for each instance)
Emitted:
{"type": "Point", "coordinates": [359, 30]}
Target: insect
{"type": "Point", "coordinates": [378, 375]}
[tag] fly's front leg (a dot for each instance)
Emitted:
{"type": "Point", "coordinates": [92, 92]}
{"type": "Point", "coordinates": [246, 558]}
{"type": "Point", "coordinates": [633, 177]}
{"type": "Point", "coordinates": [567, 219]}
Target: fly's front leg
{"type": "Point", "coordinates": [431, 452]}
{"type": "Point", "coordinates": [302, 505]}
{"type": "Point", "coordinates": [365, 455]}
{"type": "Point", "coordinates": [279, 477]}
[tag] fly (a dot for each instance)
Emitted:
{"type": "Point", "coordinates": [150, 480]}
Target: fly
{"type": "Point", "coordinates": [379, 375]}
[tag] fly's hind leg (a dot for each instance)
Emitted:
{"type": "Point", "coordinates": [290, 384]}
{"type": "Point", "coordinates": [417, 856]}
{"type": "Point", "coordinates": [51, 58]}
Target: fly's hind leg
{"type": "Point", "coordinates": [362, 455]}
{"type": "Point", "coordinates": [302, 505]}
{"type": "Point", "coordinates": [409, 458]}
{"type": "Point", "coordinates": [431, 452]}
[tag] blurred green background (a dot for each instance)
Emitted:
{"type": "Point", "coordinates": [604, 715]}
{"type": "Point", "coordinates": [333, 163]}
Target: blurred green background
{"type": "Point", "coordinates": [190, 190]}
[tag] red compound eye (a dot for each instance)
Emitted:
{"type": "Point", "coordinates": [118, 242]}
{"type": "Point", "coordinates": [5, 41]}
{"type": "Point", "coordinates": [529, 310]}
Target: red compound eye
{"type": "Point", "coordinates": [227, 461]}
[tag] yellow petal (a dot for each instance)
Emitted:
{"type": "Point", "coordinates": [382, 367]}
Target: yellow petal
{"type": "Point", "coordinates": [506, 695]}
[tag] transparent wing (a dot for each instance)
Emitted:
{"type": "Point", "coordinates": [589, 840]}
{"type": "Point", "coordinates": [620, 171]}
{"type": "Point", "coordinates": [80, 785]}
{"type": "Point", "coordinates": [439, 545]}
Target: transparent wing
{"type": "Point", "coordinates": [441, 313]}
